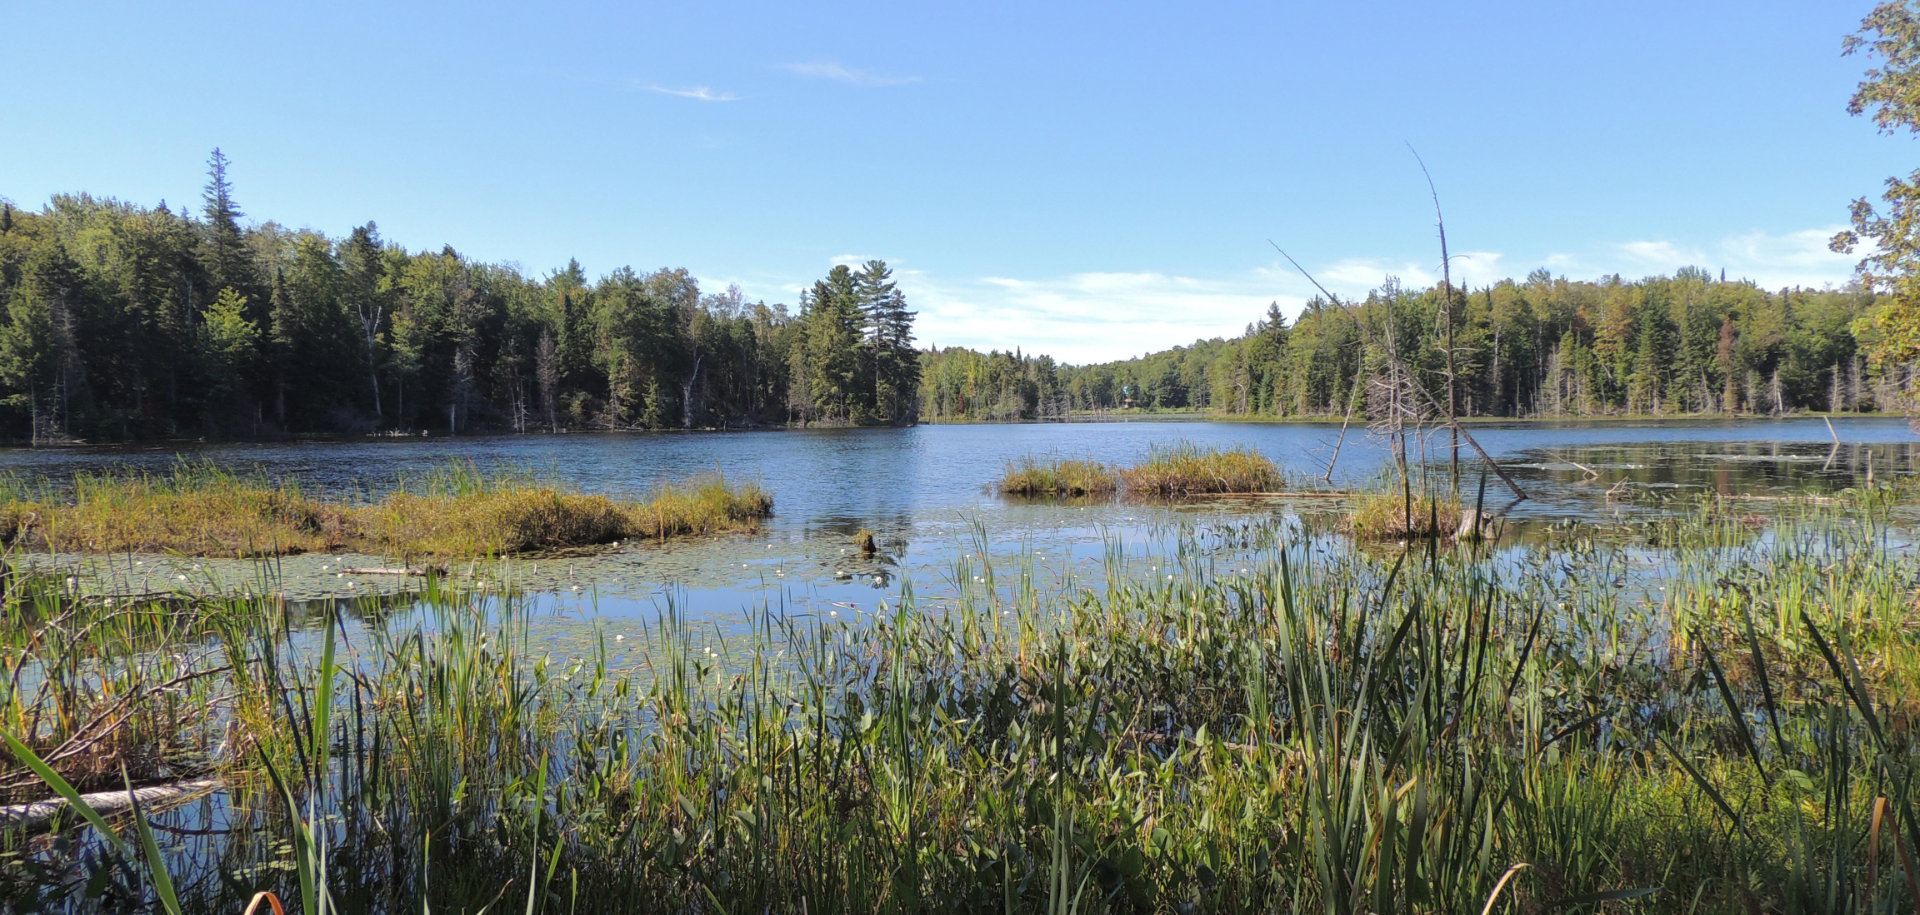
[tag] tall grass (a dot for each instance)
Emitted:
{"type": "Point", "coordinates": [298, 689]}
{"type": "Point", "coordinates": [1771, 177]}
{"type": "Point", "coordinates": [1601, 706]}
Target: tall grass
{"type": "Point", "coordinates": [1168, 472]}
{"type": "Point", "coordinates": [457, 512]}
{"type": "Point", "coordinates": [1397, 516]}
{"type": "Point", "coordinates": [1335, 732]}
{"type": "Point", "coordinates": [1031, 476]}
{"type": "Point", "coordinates": [1188, 470]}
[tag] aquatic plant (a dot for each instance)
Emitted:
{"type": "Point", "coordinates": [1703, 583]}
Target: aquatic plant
{"type": "Point", "coordinates": [1188, 470]}
{"type": "Point", "coordinates": [1397, 516]}
{"type": "Point", "coordinates": [1313, 730]}
{"type": "Point", "coordinates": [456, 513]}
{"type": "Point", "coordinates": [1031, 476]}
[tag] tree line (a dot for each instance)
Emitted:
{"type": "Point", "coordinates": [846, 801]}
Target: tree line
{"type": "Point", "coordinates": [1686, 344]}
{"type": "Point", "coordinates": [125, 322]}
{"type": "Point", "coordinates": [1547, 346]}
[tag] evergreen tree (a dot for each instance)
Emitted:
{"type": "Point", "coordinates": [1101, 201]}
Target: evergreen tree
{"type": "Point", "coordinates": [889, 341]}
{"type": "Point", "coordinates": [834, 332]}
{"type": "Point", "coordinates": [227, 260]}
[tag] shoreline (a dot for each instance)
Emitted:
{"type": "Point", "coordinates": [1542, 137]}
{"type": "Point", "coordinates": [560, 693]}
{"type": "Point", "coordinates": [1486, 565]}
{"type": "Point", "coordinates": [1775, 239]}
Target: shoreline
{"type": "Point", "coordinates": [1075, 419]}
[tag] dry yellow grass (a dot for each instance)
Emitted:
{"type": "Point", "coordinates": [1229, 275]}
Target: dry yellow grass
{"type": "Point", "coordinates": [1031, 477]}
{"type": "Point", "coordinates": [1185, 470]}
{"type": "Point", "coordinates": [1387, 516]}
{"type": "Point", "coordinates": [209, 513]}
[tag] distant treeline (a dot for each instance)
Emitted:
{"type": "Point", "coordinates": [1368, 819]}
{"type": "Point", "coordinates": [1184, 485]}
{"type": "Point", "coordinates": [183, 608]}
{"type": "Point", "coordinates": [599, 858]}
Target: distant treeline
{"type": "Point", "coordinates": [127, 322]}
{"type": "Point", "coordinates": [1686, 344]}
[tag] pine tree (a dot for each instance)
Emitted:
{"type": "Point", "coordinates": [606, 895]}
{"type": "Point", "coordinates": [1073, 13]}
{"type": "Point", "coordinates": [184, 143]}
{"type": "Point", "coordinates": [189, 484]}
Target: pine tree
{"type": "Point", "coordinates": [833, 345]}
{"type": "Point", "coordinates": [889, 340]}
{"type": "Point", "coordinates": [226, 250]}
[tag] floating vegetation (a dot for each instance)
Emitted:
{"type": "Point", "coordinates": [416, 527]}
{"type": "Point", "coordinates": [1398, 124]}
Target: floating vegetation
{"type": "Point", "coordinates": [206, 511]}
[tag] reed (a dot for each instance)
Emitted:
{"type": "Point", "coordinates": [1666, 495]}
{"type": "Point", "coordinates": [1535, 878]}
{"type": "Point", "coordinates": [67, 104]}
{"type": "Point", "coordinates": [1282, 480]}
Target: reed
{"type": "Point", "coordinates": [1396, 516]}
{"type": "Point", "coordinates": [1032, 476]}
{"type": "Point", "coordinates": [456, 512]}
{"type": "Point", "coordinates": [1330, 731]}
{"type": "Point", "coordinates": [1188, 470]}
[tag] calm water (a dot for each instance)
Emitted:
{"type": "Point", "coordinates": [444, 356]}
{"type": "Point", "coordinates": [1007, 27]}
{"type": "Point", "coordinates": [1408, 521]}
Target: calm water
{"type": "Point", "coordinates": [927, 492]}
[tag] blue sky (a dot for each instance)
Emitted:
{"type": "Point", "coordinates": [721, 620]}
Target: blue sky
{"type": "Point", "coordinates": [1090, 180]}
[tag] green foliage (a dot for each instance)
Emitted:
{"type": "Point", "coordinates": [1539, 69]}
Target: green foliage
{"type": "Point", "coordinates": [1303, 729]}
{"type": "Point", "coordinates": [1395, 516]}
{"type": "Point", "coordinates": [1891, 92]}
{"type": "Point", "coordinates": [1680, 345]}
{"type": "Point", "coordinates": [121, 322]}
{"type": "Point", "coordinates": [1188, 470]}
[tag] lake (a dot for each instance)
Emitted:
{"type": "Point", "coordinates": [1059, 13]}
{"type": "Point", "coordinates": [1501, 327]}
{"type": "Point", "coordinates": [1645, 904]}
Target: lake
{"type": "Point", "coordinates": [927, 493]}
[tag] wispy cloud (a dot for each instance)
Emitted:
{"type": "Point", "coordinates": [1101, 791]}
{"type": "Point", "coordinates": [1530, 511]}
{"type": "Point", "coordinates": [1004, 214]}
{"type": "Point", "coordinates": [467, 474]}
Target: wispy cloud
{"type": "Point", "coordinates": [1090, 317]}
{"type": "Point", "coordinates": [697, 93]}
{"type": "Point", "coordinates": [1101, 316]}
{"type": "Point", "coordinates": [1356, 276]}
{"type": "Point", "coordinates": [1773, 260]}
{"type": "Point", "coordinates": [852, 76]}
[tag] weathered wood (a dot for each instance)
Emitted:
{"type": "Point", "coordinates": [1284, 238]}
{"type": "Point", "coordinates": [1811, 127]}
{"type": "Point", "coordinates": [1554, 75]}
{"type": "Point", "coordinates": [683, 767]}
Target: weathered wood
{"type": "Point", "coordinates": [106, 802]}
{"type": "Point", "coordinates": [1314, 494]}
{"type": "Point", "coordinates": [403, 571]}
{"type": "Point", "coordinates": [1413, 380]}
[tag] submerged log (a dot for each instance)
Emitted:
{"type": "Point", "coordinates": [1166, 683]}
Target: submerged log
{"type": "Point", "coordinates": [106, 803]}
{"type": "Point", "coordinates": [401, 570]}
{"type": "Point", "coordinates": [1309, 494]}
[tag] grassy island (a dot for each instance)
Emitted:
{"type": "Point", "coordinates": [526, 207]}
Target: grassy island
{"type": "Point", "coordinates": [457, 513]}
{"type": "Point", "coordinates": [1170, 472]}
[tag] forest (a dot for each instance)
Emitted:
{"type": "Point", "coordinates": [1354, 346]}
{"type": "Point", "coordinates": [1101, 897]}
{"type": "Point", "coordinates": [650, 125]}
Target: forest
{"type": "Point", "coordinates": [126, 322]}
{"type": "Point", "coordinates": [1689, 344]}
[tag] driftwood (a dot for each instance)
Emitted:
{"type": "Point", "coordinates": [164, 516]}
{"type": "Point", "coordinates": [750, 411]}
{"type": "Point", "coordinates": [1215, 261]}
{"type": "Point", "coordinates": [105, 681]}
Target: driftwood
{"type": "Point", "coordinates": [1311, 494]}
{"type": "Point", "coordinates": [1592, 474]}
{"type": "Point", "coordinates": [106, 802]}
{"type": "Point", "coordinates": [407, 571]}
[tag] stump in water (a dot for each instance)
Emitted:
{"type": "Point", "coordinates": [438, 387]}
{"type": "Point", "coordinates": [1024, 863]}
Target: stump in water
{"type": "Point", "coordinates": [1472, 525]}
{"type": "Point", "coordinates": [866, 543]}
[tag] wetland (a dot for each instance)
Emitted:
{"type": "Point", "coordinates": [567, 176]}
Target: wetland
{"type": "Point", "coordinates": [1678, 677]}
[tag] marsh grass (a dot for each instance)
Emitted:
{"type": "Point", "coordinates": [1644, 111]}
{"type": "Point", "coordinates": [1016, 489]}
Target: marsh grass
{"type": "Point", "coordinates": [456, 512]}
{"type": "Point", "coordinates": [1189, 470]}
{"type": "Point", "coordinates": [1326, 731]}
{"type": "Point", "coordinates": [197, 509]}
{"type": "Point", "coordinates": [1168, 472]}
{"type": "Point", "coordinates": [1031, 476]}
{"type": "Point", "coordinates": [1395, 516]}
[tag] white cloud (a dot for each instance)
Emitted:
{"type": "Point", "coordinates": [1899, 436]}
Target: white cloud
{"type": "Point", "coordinates": [1091, 317]}
{"type": "Point", "coordinates": [1772, 260]}
{"type": "Point", "coordinates": [697, 93]}
{"type": "Point", "coordinates": [866, 79]}
{"type": "Point", "coordinates": [1101, 316]}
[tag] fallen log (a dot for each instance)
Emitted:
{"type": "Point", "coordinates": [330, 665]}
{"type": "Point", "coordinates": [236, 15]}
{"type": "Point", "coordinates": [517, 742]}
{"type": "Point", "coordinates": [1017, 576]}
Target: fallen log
{"type": "Point", "coordinates": [105, 803]}
{"type": "Point", "coordinates": [1311, 494]}
{"type": "Point", "coordinates": [407, 571]}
